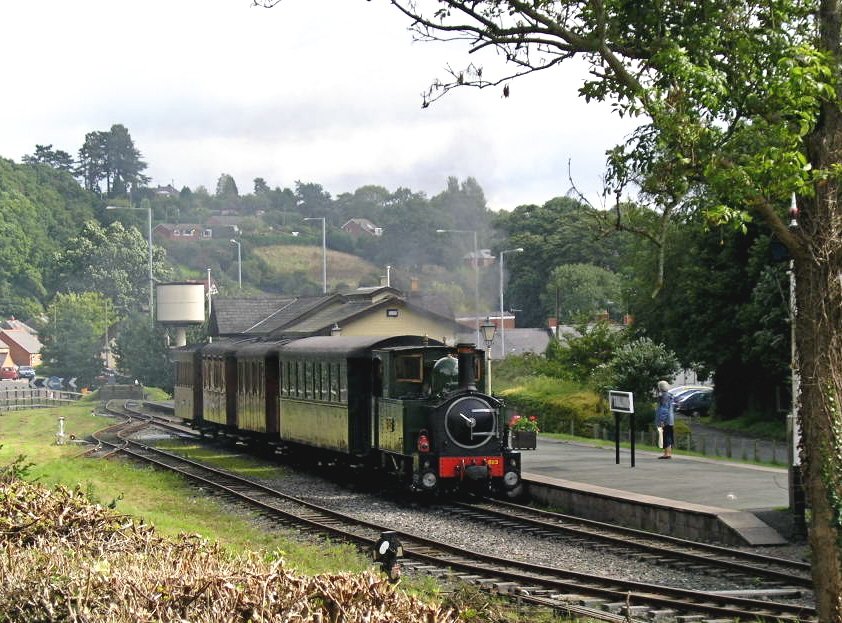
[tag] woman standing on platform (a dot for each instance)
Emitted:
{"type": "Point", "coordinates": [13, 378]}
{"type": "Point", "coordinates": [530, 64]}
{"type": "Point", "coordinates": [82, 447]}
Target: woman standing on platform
{"type": "Point", "coordinates": [665, 418]}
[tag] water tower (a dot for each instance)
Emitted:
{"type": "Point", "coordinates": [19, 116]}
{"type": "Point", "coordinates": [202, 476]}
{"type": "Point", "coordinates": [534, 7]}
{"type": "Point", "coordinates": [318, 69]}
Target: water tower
{"type": "Point", "coordinates": [181, 304]}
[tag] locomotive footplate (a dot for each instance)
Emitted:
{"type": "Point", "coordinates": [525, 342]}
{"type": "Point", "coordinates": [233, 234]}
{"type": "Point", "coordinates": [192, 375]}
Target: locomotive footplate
{"type": "Point", "coordinates": [471, 467]}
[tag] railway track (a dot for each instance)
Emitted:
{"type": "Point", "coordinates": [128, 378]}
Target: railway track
{"type": "Point", "coordinates": [576, 593]}
{"type": "Point", "coordinates": [783, 575]}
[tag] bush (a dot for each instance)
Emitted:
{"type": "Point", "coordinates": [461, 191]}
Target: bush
{"type": "Point", "coordinates": [636, 367]}
{"type": "Point", "coordinates": [561, 406]}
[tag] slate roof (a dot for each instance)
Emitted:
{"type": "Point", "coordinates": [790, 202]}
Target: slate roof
{"type": "Point", "coordinates": [27, 341]}
{"type": "Point", "coordinates": [303, 316]}
{"type": "Point", "coordinates": [234, 316]}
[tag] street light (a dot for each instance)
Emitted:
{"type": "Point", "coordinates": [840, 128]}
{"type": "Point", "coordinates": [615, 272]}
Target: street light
{"type": "Point", "coordinates": [488, 330]}
{"type": "Point", "coordinates": [151, 281]}
{"type": "Point", "coordinates": [239, 263]}
{"type": "Point", "coordinates": [502, 321]}
{"type": "Point", "coordinates": [324, 251]}
{"type": "Point", "coordinates": [476, 270]}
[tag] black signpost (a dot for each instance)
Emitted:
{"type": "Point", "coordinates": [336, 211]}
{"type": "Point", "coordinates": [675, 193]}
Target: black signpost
{"type": "Point", "coordinates": [619, 403]}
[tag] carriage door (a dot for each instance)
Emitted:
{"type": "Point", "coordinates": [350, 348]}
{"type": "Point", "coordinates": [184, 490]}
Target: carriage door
{"type": "Point", "coordinates": [360, 382]}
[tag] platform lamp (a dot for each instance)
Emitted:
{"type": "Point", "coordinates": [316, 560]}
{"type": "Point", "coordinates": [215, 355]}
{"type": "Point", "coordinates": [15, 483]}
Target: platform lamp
{"type": "Point", "coordinates": [502, 320]}
{"type": "Point", "coordinates": [488, 330]}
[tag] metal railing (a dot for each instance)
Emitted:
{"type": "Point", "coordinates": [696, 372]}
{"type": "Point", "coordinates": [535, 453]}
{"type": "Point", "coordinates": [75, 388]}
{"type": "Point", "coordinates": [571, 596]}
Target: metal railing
{"type": "Point", "coordinates": [723, 445]}
{"type": "Point", "coordinates": [13, 398]}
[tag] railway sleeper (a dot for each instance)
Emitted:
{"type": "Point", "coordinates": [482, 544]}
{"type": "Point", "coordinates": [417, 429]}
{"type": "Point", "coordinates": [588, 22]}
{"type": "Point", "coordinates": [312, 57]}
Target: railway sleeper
{"type": "Point", "coordinates": [505, 588]}
{"type": "Point", "coordinates": [622, 608]}
{"type": "Point", "coordinates": [583, 600]}
{"type": "Point", "coordinates": [666, 614]}
{"type": "Point", "coordinates": [536, 591]}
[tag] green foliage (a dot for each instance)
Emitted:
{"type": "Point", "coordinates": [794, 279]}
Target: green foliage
{"type": "Point", "coordinates": [561, 406]}
{"type": "Point", "coordinates": [111, 157]}
{"type": "Point", "coordinates": [226, 187]}
{"type": "Point", "coordinates": [111, 260]}
{"type": "Point", "coordinates": [74, 337]}
{"type": "Point", "coordinates": [723, 308]}
{"type": "Point", "coordinates": [578, 356]}
{"type": "Point", "coordinates": [40, 207]}
{"type": "Point", "coordinates": [636, 367]}
{"type": "Point", "coordinates": [581, 290]}
{"type": "Point", "coordinates": [562, 231]}
{"type": "Point", "coordinates": [142, 352]}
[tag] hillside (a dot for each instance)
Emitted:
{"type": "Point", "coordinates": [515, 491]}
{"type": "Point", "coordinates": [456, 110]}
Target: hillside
{"type": "Point", "coordinates": [342, 268]}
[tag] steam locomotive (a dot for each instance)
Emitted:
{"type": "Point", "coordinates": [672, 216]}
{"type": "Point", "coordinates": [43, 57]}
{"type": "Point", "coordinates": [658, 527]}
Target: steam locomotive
{"type": "Point", "coordinates": [408, 406]}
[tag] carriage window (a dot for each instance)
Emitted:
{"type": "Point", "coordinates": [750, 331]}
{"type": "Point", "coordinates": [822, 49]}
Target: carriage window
{"type": "Point", "coordinates": [409, 368]}
{"type": "Point", "coordinates": [308, 378]}
{"type": "Point", "coordinates": [334, 382]}
{"type": "Point", "coordinates": [324, 393]}
{"type": "Point", "coordinates": [281, 379]}
{"type": "Point", "coordinates": [343, 385]}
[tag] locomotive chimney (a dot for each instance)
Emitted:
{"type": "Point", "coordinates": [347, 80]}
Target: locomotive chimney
{"type": "Point", "coordinates": [466, 354]}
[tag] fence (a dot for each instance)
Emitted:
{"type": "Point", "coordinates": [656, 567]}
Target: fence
{"type": "Point", "coordinates": [720, 444]}
{"type": "Point", "coordinates": [12, 398]}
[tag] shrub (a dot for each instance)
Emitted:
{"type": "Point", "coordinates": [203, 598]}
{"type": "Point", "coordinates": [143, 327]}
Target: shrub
{"type": "Point", "coordinates": [562, 406]}
{"type": "Point", "coordinates": [637, 367]}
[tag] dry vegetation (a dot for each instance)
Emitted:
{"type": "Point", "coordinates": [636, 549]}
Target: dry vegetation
{"type": "Point", "coordinates": [341, 267]}
{"type": "Point", "coordinates": [65, 559]}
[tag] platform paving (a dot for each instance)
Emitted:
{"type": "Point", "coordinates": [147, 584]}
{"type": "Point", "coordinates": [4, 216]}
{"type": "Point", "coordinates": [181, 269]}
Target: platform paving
{"type": "Point", "coordinates": [731, 493]}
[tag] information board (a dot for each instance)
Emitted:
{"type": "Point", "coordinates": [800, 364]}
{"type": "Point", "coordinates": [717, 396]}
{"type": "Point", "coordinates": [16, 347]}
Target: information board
{"type": "Point", "coordinates": [622, 402]}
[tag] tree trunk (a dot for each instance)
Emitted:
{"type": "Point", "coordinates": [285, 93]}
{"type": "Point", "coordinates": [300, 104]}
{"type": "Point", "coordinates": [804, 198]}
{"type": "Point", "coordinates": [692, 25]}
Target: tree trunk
{"type": "Point", "coordinates": [818, 266]}
{"type": "Point", "coordinates": [819, 295]}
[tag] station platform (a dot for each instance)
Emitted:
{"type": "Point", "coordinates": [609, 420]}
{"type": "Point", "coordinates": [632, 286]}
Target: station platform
{"type": "Point", "coordinates": [685, 496]}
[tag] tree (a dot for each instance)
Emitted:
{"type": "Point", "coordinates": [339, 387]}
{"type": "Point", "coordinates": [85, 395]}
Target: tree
{"type": "Point", "coordinates": [124, 170]}
{"type": "Point", "coordinates": [111, 260]}
{"type": "Point", "coordinates": [741, 104]}
{"type": "Point", "coordinates": [637, 366]}
{"type": "Point", "coordinates": [73, 335]}
{"type": "Point", "coordinates": [40, 207]}
{"type": "Point", "coordinates": [57, 159]}
{"type": "Point", "coordinates": [580, 289]}
{"type": "Point", "coordinates": [260, 186]}
{"type": "Point", "coordinates": [579, 356]}
{"type": "Point", "coordinates": [226, 187]}
{"type": "Point", "coordinates": [111, 157]}
{"type": "Point", "coordinates": [142, 352]}
{"type": "Point", "coordinates": [562, 231]}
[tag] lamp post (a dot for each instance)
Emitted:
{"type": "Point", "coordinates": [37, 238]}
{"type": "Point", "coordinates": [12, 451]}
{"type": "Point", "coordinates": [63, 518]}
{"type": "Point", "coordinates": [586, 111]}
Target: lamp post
{"type": "Point", "coordinates": [149, 238]}
{"type": "Point", "coordinates": [488, 329]}
{"type": "Point", "coordinates": [239, 263]}
{"type": "Point", "coordinates": [502, 321]}
{"type": "Point", "coordinates": [476, 271]}
{"type": "Point", "coordinates": [324, 251]}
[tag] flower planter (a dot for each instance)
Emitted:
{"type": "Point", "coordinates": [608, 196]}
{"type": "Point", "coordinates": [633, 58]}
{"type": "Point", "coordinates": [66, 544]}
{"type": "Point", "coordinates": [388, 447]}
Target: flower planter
{"type": "Point", "coordinates": [524, 439]}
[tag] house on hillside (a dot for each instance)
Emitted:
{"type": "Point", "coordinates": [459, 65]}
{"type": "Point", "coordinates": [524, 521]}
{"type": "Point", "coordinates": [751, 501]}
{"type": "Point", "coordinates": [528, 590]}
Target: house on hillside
{"type": "Point", "coordinates": [186, 232]}
{"type": "Point", "coordinates": [361, 226]}
{"type": "Point", "coordinates": [482, 258]}
{"type": "Point", "coordinates": [24, 347]}
{"type": "Point", "coordinates": [165, 191]}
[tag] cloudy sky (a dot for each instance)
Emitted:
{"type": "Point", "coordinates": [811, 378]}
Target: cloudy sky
{"type": "Point", "coordinates": [324, 91]}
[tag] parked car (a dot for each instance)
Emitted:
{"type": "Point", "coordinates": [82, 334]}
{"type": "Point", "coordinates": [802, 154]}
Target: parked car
{"type": "Point", "coordinates": [695, 403]}
{"type": "Point", "coordinates": [26, 372]}
{"type": "Point", "coordinates": [9, 373]}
